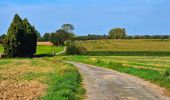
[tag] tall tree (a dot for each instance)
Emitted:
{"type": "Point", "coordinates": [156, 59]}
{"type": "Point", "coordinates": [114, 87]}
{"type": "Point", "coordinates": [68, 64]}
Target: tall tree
{"type": "Point", "coordinates": [68, 28]}
{"type": "Point", "coordinates": [21, 39]}
{"type": "Point", "coordinates": [30, 41]}
{"type": "Point", "coordinates": [46, 37]}
{"type": "Point", "coordinates": [14, 40]}
{"type": "Point", "coordinates": [117, 33]}
{"type": "Point", "coordinates": [59, 37]}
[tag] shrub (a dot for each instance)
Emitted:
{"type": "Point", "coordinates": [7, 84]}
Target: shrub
{"type": "Point", "coordinates": [72, 49]}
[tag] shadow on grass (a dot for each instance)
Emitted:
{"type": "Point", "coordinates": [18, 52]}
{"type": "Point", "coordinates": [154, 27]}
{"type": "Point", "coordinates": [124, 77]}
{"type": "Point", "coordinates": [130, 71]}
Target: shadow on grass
{"type": "Point", "coordinates": [42, 55]}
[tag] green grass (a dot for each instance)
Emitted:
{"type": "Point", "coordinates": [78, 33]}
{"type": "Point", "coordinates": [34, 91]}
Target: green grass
{"type": "Point", "coordinates": [63, 80]}
{"type": "Point", "coordinates": [43, 49]}
{"type": "Point", "coordinates": [1, 48]}
{"type": "Point", "coordinates": [48, 49]}
{"type": "Point", "coordinates": [154, 69]}
{"type": "Point", "coordinates": [135, 47]}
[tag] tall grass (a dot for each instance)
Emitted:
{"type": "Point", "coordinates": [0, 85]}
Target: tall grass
{"type": "Point", "coordinates": [65, 85]}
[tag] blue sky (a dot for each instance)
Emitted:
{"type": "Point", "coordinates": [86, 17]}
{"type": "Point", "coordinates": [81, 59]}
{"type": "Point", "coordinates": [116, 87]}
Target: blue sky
{"type": "Point", "coordinates": [139, 17]}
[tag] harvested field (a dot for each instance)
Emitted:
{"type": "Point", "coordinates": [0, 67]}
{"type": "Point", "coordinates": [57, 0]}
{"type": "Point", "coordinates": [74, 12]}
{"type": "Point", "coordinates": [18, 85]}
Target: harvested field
{"type": "Point", "coordinates": [23, 90]}
{"type": "Point", "coordinates": [45, 43]}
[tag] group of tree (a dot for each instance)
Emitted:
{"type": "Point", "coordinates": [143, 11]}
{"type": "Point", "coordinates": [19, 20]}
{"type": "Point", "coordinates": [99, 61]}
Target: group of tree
{"type": "Point", "coordinates": [21, 39]}
{"type": "Point", "coordinates": [91, 37]}
{"type": "Point", "coordinates": [148, 37]}
{"type": "Point", "coordinates": [60, 36]}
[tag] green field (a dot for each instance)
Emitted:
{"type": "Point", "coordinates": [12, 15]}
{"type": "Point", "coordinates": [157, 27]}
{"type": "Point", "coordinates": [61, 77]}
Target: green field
{"type": "Point", "coordinates": [1, 48]}
{"type": "Point", "coordinates": [46, 78]}
{"type": "Point", "coordinates": [138, 47]}
{"type": "Point", "coordinates": [154, 69]}
{"type": "Point", "coordinates": [42, 49]}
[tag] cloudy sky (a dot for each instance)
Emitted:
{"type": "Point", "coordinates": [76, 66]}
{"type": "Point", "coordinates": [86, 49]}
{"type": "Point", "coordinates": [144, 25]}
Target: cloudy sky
{"type": "Point", "coordinates": [139, 17]}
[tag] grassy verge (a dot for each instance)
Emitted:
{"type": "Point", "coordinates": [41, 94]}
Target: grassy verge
{"type": "Point", "coordinates": [123, 64]}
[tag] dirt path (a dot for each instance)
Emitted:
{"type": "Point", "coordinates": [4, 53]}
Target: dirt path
{"type": "Point", "coordinates": [61, 51]}
{"type": "Point", "coordinates": [105, 84]}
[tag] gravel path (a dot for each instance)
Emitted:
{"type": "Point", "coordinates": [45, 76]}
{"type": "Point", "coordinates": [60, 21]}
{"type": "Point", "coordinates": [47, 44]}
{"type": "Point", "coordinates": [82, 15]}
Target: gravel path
{"type": "Point", "coordinates": [106, 84]}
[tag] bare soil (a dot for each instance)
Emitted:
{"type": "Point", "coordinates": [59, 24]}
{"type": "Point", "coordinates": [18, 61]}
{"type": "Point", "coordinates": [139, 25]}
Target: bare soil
{"type": "Point", "coordinates": [21, 91]}
{"type": "Point", "coordinates": [45, 43]}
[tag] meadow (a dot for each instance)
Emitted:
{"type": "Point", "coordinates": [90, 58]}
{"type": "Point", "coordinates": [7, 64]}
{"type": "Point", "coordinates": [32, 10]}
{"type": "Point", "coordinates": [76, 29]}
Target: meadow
{"type": "Point", "coordinates": [46, 78]}
{"type": "Point", "coordinates": [138, 47]}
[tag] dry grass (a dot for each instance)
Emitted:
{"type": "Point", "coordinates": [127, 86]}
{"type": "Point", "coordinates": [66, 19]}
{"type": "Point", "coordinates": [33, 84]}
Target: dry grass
{"type": "Point", "coordinates": [45, 43]}
{"type": "Point", "coordinates": [125, 45]}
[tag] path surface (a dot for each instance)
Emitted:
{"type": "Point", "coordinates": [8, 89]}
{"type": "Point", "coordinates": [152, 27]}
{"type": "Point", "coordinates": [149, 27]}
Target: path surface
{"type": "Point", "coordinates": [105, 84]}
{"type": "Point", "coordinates": [61, 51]}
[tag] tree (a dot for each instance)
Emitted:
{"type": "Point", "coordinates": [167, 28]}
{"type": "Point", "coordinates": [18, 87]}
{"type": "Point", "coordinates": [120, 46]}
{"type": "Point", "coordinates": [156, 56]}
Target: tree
{"type": "Point", "coordinates": [14, 40]}
{"type": "Point", "coordinates": [2, 36]}
{"type": "Point", "coordinates": [30, 40]}
{"type": "Point", "coordinates": [21, 39]}
{"type": "Point", "coordinates": [46, 37]}
{"type": "Point", "coordinates": [59, 37]}
{"type": "Point", "coordinates": [117, 33]}
{"type": "Point", "coordinates": [68, 28]}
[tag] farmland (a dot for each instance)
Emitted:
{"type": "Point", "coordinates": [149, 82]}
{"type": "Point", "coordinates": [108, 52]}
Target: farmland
{"type": "Point", "coordinates": [148, 59]}
{"type": "Point", "coordinates": [39, 78]}
{"type": "Point", "coordinates": [138, 47]}
{"type": "Point", "coordinates": [126, 45]}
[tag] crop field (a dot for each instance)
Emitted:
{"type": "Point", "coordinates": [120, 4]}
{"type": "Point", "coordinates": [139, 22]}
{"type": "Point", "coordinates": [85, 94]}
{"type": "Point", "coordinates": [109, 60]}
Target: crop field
{"type": "Point", "coordinates": [137, 47]}
{"type": "Point", "coordinates": [153, 69]}
{"type": "Point", "coordinates": [46, 78]}
{"type": "Point", "coordinates": [126, 45]}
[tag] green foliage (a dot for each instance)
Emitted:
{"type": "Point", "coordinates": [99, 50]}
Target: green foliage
{"type": "Point", "coordinates": [117, 33]}
{"type": "Point", "coordinates": [72, 49]}
{"type": "Point", "coordinates": [46, 37]}
{"type": "Point", "coordinates": [68, 28]}
{"type": "Point", "coordinates": [2, 36]}
{"type": "Point", "coordinates": [60, 36]}
{"type": "Point", "coordinates": [21, 39]}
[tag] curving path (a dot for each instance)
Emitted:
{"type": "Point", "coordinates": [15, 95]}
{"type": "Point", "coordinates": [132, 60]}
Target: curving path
{"type": "Point", "coordinates": [106, 84]}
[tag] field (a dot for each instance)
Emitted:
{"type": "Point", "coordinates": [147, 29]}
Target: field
{"type": "Point", "coordinates": [137, 47]}
{"type": "Point", "coordinates": [154, 69]}
{"type": "Point", "coordinates": [1, 48]}
{"type": "Point", "coordinates": [43, 49]}
{"type": "Point", "coordinates": [148, 59]}
{"type": "Point", "coordinates": [46, 78]}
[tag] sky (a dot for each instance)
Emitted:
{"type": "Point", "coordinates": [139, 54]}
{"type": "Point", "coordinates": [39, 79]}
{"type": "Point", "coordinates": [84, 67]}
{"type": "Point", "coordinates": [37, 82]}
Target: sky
{"type": "Point", "coordinates": [139, 17]}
